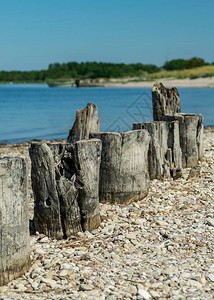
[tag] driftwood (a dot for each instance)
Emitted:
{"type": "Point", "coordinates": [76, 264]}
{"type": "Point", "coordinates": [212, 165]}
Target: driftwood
{"type": "Point", "coordinates": [87, 121]}
{"type": "Point", "coordinates": [165, 101]}
{"type": "Point", "coordinates": [61, 175]}
{"type": "Point", "coordinates": [164, 156]}
{"type": "Point", "coordinates": [14, 222]}
{"type": "Point", "coordinates": [191, 137]}
{"type": "Point", "coordinates": [124, 173]}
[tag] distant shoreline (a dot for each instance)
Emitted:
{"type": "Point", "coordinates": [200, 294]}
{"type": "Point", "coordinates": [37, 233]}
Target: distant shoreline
{"type": "Point", "coordinates": [207, 82]}
{"type": "Point", "coordinates": [190, 83]}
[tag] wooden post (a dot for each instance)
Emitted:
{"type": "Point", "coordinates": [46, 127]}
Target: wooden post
{"type": "Point", "coordinates": [47, 218]}
{"type": "Point", "coordinates": [86, 121]}
{"type": "Point", "coordinates": [87, 157]}
{"type": "Point", "coordinates": [165, 156]}
{"type": "Point", "coordinates": [124, 176]}
{"type": "Point", "coordinates": [61, 175]}
{"type": "Point", "coordinates": [191, 137]}
{"type": "Point", "coordinates": [165, 101]}
{"type": "Point", "coordinates": [14, 221]}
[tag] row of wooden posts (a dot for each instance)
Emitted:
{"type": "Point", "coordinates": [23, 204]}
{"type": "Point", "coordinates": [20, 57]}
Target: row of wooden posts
{"type": "Point", "coordinates": [70, 180]}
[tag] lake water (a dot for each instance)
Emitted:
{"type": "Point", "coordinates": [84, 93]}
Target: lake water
{"type": "Point", "coordinates": [35, 111]}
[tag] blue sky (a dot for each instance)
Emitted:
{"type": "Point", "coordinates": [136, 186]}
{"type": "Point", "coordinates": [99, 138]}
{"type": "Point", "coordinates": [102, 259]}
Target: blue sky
{"type": "Point", "coordinates": [35, 33]}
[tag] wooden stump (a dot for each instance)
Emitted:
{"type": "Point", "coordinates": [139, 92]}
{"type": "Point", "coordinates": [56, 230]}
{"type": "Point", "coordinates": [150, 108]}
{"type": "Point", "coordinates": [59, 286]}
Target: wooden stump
{"type": "Point", "coordinates": [58, 187]}
{"type": "Point", "coordinates": [124, 176]}
{"type": "Point", "coordinates": [191, 137]}
{"type": "Point", "coordinates": [165, 156]}
{"type": "Point", "coordinates": [14, 221]}
{"type": "Point", "coordinates": [165, 101]}
{"type": "Point", "coordinates": [87, 121]}
{"type": "Point", "coordinates": [87, 154]}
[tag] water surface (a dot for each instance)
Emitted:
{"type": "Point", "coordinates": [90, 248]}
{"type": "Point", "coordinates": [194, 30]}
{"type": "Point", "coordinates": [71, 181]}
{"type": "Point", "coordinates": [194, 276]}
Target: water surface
{"type": "Point", "coordinates": [35, 111]}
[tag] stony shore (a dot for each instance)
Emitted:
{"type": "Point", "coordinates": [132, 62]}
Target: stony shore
{"type": "Point", "coordinates": [161, 247]}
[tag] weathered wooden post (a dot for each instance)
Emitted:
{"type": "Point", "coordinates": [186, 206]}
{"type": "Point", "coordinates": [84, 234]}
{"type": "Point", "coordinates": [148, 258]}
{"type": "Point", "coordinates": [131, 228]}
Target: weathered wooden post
{"type": "Point", "coordinates": [124, 176]}
{"type": "Point", "coordinates": [47, 217]}
{"type": "Point", "coordinates": [65, 184]}
{"type": "Point", "coordinates": [191, 137]}
{"type": "Point", "coordinates": [165, 101]}
{"type": "Point", "coordinates": [166, 107]}
{"type": "Point", "coordinates": [14, 221]}
{"type": "Point", "coordinates": [87, 157]}
{"type": "Point", "coordinates": [164, 157]}
{"type": "Point", "coordinates": [86, 121]}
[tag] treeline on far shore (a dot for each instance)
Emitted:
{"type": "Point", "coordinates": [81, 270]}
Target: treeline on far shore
{"type": "Point", "coordinates": [83, 70]}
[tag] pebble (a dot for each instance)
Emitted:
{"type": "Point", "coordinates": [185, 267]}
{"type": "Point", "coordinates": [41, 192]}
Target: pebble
{"type": "Point", "coordinates": [86, 287]}
{"type": "Point", "coordinates": [35, 285]}
{"type": "Point", "coordinates": [160, 247]}
{"type": "Point", "coordinates": [211, 277]}
{"type": "Point", "coordinates": [63, 273]}
{"type": "Point", "coordinates": [142, 292]}
{"type": "Point", "coordinates": [210, 221]}
{"type": "Point", "coordinates": [65, 267]}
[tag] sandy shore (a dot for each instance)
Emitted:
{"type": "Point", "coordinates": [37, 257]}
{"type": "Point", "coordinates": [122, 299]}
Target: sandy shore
{"type": "Point", "coordinates": [158, 248]}
{"type": "Point", "coordinates": [199, 82]}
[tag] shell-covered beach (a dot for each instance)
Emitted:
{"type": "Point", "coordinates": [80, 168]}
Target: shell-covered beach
{"type": "Point", "coordinates": [157, 248]}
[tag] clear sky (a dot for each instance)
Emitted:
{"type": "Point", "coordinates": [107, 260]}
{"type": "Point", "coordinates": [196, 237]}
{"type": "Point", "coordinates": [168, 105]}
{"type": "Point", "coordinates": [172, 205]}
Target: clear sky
{"type": "Point", "coordinates": [35, 33]}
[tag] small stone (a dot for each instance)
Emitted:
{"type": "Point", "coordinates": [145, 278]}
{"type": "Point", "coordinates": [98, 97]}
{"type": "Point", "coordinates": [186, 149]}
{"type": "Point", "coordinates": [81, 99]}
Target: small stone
{"type": "Point", "coordinates": [154, 294]}
{"type": "Point", "coordinates": [211, 277]}
{"type": "Point", "coordinates": [131, 289]}
{"type": "Point", "coordinates": [86, 287]}
{"type": "Point", "coordinates": [142, 292]}
{"type": "Point", "coordinates": [48, 281]}
{"type": "Point", "coordinates": [169, 271]}
{"type": "Point", "coordinates": [135, 205]}
{"type": "Point", "coordinates": [63, 273]}
{"type": "Point", "coordinates": [210, 222]}
{"type": "Point", "coordinates": [162, 223]}
{"type": "Point", "coordinates": [44, 240]}
{"type": "Point", "coordinates": [88, 234]}
{"type": "Point", "coordinates": [65, 267]}
{"type": "Point", "coordinates": [35, 285]}
{"type": "Point", "coordinates": [20, 287]}
{"type": "Point", "coordinates": [39, 251]}
{"type": "Point", "coordinates": [131, 236]}
{"type": "Point", "coordinates": [195, 283]}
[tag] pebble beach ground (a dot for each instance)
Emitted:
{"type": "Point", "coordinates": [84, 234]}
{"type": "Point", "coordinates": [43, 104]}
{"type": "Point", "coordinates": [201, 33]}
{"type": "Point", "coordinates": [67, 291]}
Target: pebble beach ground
{"type": "Point", "coordinates": [160, 247]}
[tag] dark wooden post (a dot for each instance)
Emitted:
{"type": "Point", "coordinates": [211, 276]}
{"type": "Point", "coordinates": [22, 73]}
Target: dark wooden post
{"type": "Point", "coordinates": [165, 101]}
{"type": "Point", "coordinates": [65, 184]}
{"type": "Point", "coordinates": [47, 218]}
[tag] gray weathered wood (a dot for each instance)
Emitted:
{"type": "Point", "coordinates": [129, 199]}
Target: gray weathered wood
{"type": "Point", "coordinates": [47, 218]}
{"type": "Point", "coordinates": [86, 121]}
{"type": "Point", "coordinates": [65, 171]}
{"type": "Point", "coordinates": [87, 157]}
{"type": "Point", "coordinates": [191, 137]}
{"type": "Point", "coordinates": [164, 156]}
{"type": "Point", "coordinates": [14, 221]}
{"type": "Point", "coordinates": [165, 101]}
{"type": "Point", "coordinates": [65, 184]}
{"type": "Point", "coordinates": [124, 173]}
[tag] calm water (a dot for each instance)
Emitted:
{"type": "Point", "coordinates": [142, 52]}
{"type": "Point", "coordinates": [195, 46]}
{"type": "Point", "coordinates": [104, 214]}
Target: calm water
{"type": "Point", "coordinates": [35, 111]}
